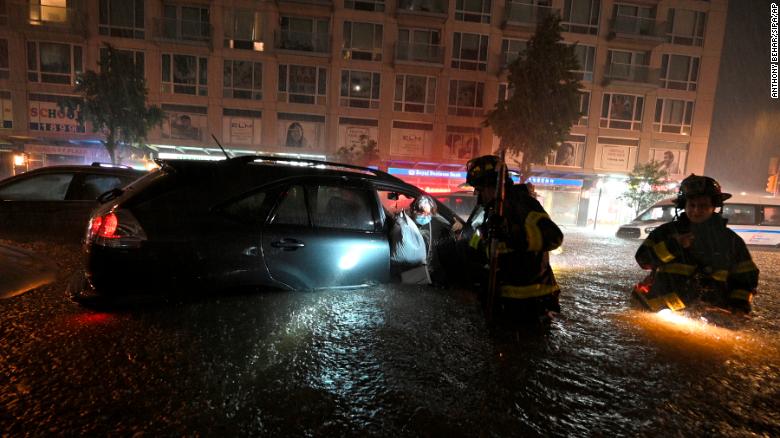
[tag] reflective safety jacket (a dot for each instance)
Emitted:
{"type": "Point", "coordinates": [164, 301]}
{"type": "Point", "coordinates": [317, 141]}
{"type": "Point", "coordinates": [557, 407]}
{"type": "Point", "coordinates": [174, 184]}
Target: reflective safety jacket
{"type": "Point", "coordinates": [716, 268]}
{"type": "Point", "coordinates": [528, 234]}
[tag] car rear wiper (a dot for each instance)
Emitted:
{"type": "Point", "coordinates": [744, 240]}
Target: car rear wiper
{"type": "Point", "coordinates": [109, 195]}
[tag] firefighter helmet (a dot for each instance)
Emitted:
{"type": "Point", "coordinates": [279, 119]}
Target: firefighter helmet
{"type": "Point", "coordinates": [697, 185]}
{"type": "Point", "coordinates": [482, 170]}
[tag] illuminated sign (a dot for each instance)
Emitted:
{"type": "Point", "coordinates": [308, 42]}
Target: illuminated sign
{"type": "Point", "coordinates": [545, 181]}
{"type": "Point", "coordinates": [430, 173]}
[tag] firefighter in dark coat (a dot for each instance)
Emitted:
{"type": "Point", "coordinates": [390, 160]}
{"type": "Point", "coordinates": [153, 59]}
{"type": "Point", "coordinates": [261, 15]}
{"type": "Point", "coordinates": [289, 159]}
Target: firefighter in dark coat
{"type": "Point", "coordinates": [527, 290]}
{"type": "Point", "coordinates": [696, 257]}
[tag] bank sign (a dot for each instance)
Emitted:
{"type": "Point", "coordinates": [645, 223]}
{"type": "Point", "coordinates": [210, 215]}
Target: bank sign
{"type": "Point", "coordinates": [47, 117]}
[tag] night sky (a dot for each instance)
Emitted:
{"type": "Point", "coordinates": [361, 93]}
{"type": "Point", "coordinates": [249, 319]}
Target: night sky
{"type": "Point", "coordinates": [746, 121]}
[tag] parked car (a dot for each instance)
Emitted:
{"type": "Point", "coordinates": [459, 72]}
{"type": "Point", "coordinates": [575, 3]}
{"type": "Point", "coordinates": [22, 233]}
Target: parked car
{"type": "Point", "coordinates": [461, 202]}
{"type": "Point", "coordinates": [265, 222]}
{"type": "Point", "coordinates": [54, 203]}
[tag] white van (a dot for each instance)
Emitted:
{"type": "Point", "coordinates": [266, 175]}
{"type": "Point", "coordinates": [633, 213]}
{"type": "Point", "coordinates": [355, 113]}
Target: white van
{"type": "Point", "coordinates": [754, 218]}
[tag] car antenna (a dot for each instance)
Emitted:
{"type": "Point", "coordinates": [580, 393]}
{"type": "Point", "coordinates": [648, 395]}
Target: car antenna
{"type": "Point", "coordinates": [220, 146]}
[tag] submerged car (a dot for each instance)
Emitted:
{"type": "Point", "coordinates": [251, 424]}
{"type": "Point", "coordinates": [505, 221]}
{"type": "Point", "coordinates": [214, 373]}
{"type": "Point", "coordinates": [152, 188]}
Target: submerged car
{"type": "Point", "coordinates": [251, 221]}
{"type": "Point", "coordinates": [54, 203]}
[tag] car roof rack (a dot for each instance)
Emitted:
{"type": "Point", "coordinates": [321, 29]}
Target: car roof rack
{"type": "Point", "coordinates": [306, 161]}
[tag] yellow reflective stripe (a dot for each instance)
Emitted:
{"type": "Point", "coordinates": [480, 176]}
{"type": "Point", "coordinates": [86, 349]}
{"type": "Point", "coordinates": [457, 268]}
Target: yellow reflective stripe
{"type": "Point", "coordinates": [671, 301]}
{"type": "Point", "coordinates": [474, 241]}
{"type": "Point", "coordinates": [530, 291]}
{"type": "Point", "coordinates": [663, 252]}
{"type": "Point", "coordinates": [532, 231]}
{"type": "Point", "coordinates": [742, 267]}
{"type": "Point", "coordinates": [721, 275]}
{"type": "Point", "coordinates": [741, 294]}
{"type": "Point", "coordinates": [678, 268]}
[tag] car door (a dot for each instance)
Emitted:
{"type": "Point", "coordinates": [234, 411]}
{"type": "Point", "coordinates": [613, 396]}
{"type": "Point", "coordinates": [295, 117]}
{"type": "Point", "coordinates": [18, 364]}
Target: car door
{"type": "Point", "coordinates": [30, 205]}
{"type": "Point", "coordinates": [81, 199]}
{"type": "Point", "coordinates": [326, 233]}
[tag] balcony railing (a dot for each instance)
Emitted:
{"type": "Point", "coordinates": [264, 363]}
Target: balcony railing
{"type": "Point", "coordinates": [410, 52]}
{"type": "Point", "coordinates": [52, 18]}
{"type": "Point", "coordinates": [639, 74]}
{"type": "Point", "coordinates": [436, 7]}
{"type": "Point", "coordinates": [302, 41]}
{"type": "Point", "coordinates": [173, 29]}
{"type": "Point", "coordinates": [637, 27]}
{"type": "Point", "coordinates": [525, 14]}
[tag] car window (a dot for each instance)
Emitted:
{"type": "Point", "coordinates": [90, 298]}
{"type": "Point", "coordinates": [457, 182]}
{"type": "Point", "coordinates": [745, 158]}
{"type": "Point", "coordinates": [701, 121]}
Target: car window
{"type": "Point", "coordinates": [393, 206]}
{"type": "Point", "coordinates": [247, 209]}
{"type": "Point", "coordinates": [292, 208]}
{"type": "Point", "coordinates": [740, 214]}
{"type": "Point", "coordinates": [343, 207]}
{"type": "Point", "coordinates": [662, 213]}
{"type": "Point", "coordinates": [89, 187]}
{"type": "Point", "coordinates": [771, 216]}
{"type": "Point", "coordinates": [48, 187]}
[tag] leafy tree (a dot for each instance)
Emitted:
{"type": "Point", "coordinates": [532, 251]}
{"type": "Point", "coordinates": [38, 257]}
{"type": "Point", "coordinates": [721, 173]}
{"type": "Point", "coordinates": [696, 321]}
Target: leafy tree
{"type": "Point", "coordinates": [646, 186]}
{"type": "Point", "coordinates": [113, 100]}
{"type": "Point", "coordinates": [361, 154]}
{"type": "Point", "coordinates": [544, 97]}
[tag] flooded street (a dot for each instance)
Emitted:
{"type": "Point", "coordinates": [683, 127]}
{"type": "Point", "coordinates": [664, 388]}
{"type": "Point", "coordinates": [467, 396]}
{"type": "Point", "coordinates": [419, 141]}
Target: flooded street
{"type": "Point", "coordinates": [393, 361]}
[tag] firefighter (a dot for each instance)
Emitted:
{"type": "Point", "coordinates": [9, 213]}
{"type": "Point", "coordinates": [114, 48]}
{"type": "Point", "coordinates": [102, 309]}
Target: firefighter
{"type": "Point", "coordinates": [526, 287]}
{"type": "Point", "coordinates": [695, 256]}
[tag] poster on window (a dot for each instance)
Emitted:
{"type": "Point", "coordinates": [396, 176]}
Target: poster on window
{"type": "Point", "coordinates": [615, 158]}
{"type": "Point", "coordinates": [357, 137]}
{"type": "Point", "coordinates": [46, 116]}
{"type": "Point", "coordinates": [409, 142]}
{"type": "Point", "coordinates": [672, 160]}
{"type": "Point", "coordinates": [567, 155]}
{"type": "Point", "coordinates": [243, 131]}
{"type": "Point", "coordinates": [298, 134]}
{"type": "Point", "coordinates": [513, 159]}
{"type": "Point", "coordinates": [184, 126]}
{"type": "Point", "coordinates": [6, 108]}
{"type": "Point", "coordinates": [462, 146]}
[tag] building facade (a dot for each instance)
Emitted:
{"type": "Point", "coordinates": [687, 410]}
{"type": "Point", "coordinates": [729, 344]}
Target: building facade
{"type": "Point", "coordinates": [307, 77]}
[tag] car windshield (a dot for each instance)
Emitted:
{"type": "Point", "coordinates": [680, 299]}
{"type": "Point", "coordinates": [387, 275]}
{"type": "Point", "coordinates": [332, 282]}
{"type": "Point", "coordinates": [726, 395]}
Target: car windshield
{"type": "Point", "coordinates": [663, 213]}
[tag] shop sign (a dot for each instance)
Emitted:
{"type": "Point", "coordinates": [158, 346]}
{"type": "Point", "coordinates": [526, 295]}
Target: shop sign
{"type": "Point", "coordinates": [47, 117]}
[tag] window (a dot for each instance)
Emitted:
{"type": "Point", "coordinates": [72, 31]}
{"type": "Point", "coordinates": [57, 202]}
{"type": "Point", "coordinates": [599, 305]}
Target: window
{"type": "Point", "coordinates": [685, 27]}
{"type": "Point", "coordinates": [476, 11]}
{"type": "Point", "coordinates": [430, 6]}
{"type": "Point", "coordinates": [6, 110]}
{"type": "Point", "coordinates": [628, 66]}
{"type": "Point", "coordinates": [243, 79]}
{"type": "Point", "coordinates": [362, 41]}
{"type": "Point", "coordinates": [50, 187]}
{"type": "Point", "coordinates": [186, 23]}
{"type": "Point", "coordinates": [634, 19]}
{"type": "Point", "coordinates": [679, 72]}
{"type": "Point", "coordinates": [122, 18]}
{"type": "Point", "coordinates": [415, 94]}
{"type": "Point", "coordinates": [581, 16]}
{"type": "Point", "coordinates": [584, 108]}
{"type": "Point", "coordinates": [131, 57]}
{"type": "Point", "coordinates": [343, 207]}
{"type": "Point", "coordinates": [771, 216]}
{"type": "Point", "coordinates": [527, 12]}
{"type": "Point", "coordinates": [365, 5]}
{"type": "Point", "coordinates": [359, 89]}
{"type": "Point", "coordinates": [53, 63]}
{"type": "Point", "coordinates": [585, 56]}
{"type": "Point", "coordinates": [568, 154]}
{"type": "Point", "coordinates": [673, 116]}
{"type": "Point", "coordinates": [89, 187]}
{"type": "Point", "coordinates": [4, 70]}
{"type": "Point", "coordinates": [466, 98]}
{"type": "Point", "coordinates": [184, 74]}
{"type": "Point", "coordinates": [304, 34]}
{"type": "Point", "coordinates": [462, 143]}
{"type": "Point", "coordinates": [292, 208]}
{"type": "Point", "coordinates": [420, 45]}
{"type": "Point", "coordinates": [243, 29]}
{"type": "Point", "coordinates": [469, 51]}
{"type": "Point", "coordinates": [56, 12]}
{"type": "Point", "coordinates": [740, 214]}
{"type": "Point", "coordinates": [511, 49]}
{"type": "Point", "coordinates": [622, 111]}
{"type": "Point", "coordinates": [302, 84]}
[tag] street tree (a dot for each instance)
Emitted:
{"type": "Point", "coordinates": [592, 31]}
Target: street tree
{"type": "Point", "coordinates": [113, 100]}
{"type": "Point", "coordinates": [647, 184]}
{"type": "Point", "coordinates": [543, 100]}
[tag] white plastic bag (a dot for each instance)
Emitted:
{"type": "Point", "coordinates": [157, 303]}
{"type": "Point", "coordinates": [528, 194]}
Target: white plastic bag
{"type": "Point", "coordinates": [407, 244]}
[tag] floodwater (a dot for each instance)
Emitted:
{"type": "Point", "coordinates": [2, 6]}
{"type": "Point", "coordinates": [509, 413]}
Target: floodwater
{"type": "Point", "coordinates": [394, 361]}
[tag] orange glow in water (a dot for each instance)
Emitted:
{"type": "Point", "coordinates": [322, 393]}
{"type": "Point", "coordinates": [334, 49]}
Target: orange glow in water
{"type": "Point", "coordinates": [93, 318]}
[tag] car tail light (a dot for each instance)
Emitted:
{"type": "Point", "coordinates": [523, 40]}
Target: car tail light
{"type": "Point", "coordinates": [117, 228]}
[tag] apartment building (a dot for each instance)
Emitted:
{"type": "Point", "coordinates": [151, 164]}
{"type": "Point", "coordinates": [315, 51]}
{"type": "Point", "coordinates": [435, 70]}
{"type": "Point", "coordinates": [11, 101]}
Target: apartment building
{"type": "Point", "coordinates": [305, 77]}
